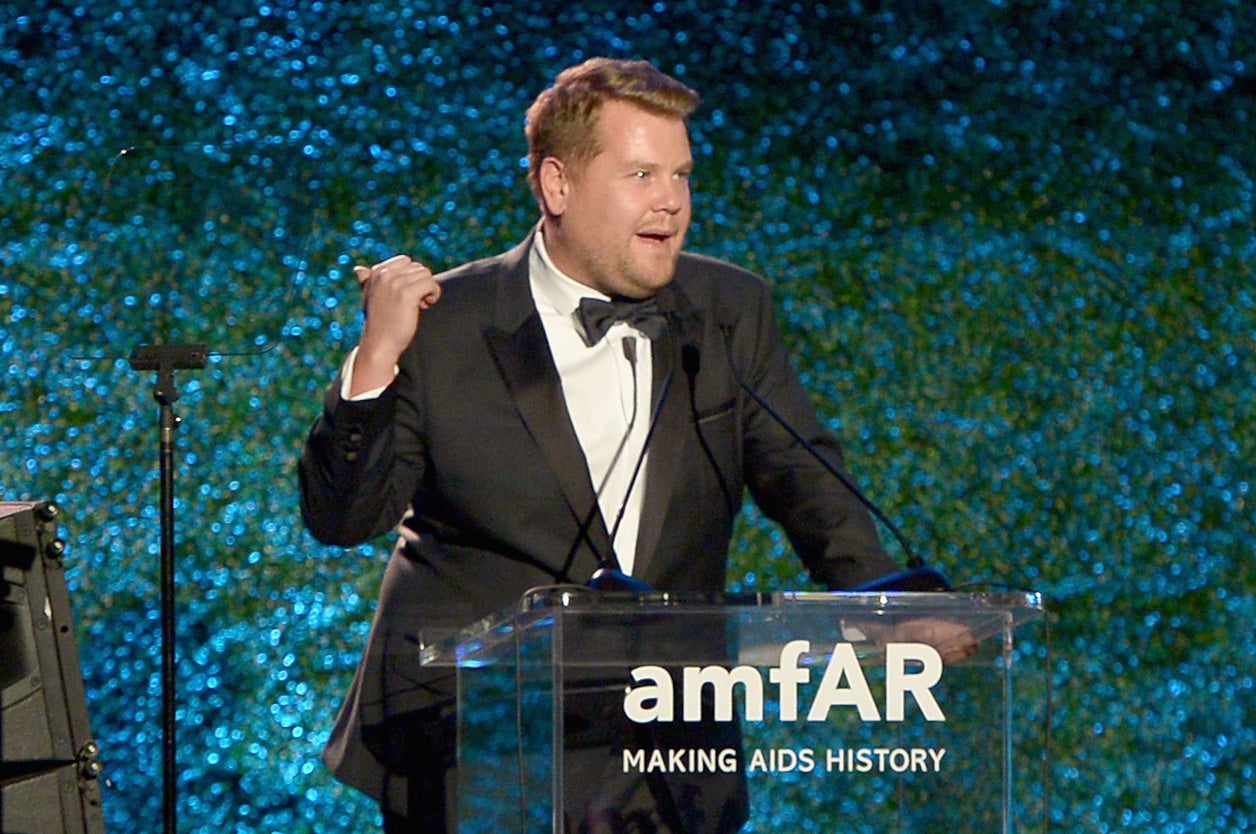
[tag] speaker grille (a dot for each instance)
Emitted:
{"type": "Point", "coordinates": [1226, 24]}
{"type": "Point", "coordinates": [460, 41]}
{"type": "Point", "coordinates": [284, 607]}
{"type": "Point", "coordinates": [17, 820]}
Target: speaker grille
{"type": "Point", "coordinates": [47, 756]}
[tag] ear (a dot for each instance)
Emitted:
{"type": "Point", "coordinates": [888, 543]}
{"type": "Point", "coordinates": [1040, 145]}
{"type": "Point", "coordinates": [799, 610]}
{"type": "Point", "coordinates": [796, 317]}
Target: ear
{"type": "Point", "coordinates": [554, 181]}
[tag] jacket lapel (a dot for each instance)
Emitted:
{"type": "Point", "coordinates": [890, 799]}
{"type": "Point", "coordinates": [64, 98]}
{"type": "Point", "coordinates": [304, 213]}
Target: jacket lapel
{"type": "Point", "coordinates": [667, 441]}
{"type": "Point", "coordinates": [521, 351]}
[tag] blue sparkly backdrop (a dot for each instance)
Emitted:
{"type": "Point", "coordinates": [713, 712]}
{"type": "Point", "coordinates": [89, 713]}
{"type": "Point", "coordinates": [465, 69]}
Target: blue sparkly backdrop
{"type": "Point", "coordinates": [1012, 246]}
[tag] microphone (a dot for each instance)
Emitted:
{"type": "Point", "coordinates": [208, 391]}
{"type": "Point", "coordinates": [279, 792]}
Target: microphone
{"type": "Point", "coordinates": [691, 361]}
{"type": "Point", "coordinates": [629, 345]}
{"type": "Point", "coordinates": [609, 577]}
{"type": "Point", "coordinates": [917, 576]}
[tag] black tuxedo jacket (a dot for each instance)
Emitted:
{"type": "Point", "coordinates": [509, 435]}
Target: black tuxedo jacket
{"type": "Point", "coordinates": [473, 445]}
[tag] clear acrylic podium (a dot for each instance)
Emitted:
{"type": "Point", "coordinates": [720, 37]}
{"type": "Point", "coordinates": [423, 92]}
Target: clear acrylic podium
{"type": "Point", "coordinates": [585, 711]}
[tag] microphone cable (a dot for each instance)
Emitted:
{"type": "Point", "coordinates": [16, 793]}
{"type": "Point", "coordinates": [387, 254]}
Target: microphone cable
{"type": "Point", "coordinates": [629, 345]}
{"type": "Point", "coordinates": [918, 576]}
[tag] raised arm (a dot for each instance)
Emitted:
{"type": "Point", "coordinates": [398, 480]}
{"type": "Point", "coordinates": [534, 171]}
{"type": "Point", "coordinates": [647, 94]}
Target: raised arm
{"type": "Point", "coordinates": [394, 293]}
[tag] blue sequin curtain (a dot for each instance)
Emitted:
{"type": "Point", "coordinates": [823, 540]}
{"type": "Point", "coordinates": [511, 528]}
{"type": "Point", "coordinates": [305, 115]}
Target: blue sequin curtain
{"type": "Point", "coordinates": [1012, 248]}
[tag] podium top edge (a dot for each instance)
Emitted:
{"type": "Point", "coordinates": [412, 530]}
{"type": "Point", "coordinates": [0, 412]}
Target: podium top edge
{"type": "Point", "coordinates": [798, 612]}
{"type": "Point", "coordinates": [1030, 603]}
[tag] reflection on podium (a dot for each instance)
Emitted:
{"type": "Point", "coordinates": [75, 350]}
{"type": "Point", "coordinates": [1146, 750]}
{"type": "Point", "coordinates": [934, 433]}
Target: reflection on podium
{"type": "Point", "coordinates": [582, 711]}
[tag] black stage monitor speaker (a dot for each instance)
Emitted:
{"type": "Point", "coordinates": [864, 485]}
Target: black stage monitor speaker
{"type": "Point", "coordinates": [48, 764]}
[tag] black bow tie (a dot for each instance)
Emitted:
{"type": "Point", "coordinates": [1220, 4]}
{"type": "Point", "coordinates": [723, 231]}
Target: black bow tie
{"type": "Point", "coordinates": [597, 316]}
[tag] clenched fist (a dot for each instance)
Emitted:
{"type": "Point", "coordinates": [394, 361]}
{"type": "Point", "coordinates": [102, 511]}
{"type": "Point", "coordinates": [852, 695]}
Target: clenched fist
{"type": "Point", "coordinates": [394, 292]}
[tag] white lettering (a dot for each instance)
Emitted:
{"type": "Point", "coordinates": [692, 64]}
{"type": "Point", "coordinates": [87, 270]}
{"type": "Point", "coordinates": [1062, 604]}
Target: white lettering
{"type": "Point", "coordinates": [653, 701]}
{"type": "Point", "coordinates": [898, 681]}
{"type": "Point", "coordinates": [783, 760]}
{"type": "Point", "coordinates": [634, 760]}
{"type": "Point", "coordinates": [681, 760]}
{"type": "Point", "coordinates": [722, 681]}
{"type": "Point", "coordinates": [882, 759]}
{"type": "Point", "coordinates": [656, 765]}
{"type": "Point", "coordinates": [910, 668]}
{"type": "Point", "coordinates": [843, 664]}
{"type": "Point", "coordinates": [787, 676]}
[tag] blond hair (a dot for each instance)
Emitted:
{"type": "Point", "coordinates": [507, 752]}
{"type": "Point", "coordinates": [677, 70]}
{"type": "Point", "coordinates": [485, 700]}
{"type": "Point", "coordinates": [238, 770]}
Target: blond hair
{"type": "Point", "coordinates": [562, 122]}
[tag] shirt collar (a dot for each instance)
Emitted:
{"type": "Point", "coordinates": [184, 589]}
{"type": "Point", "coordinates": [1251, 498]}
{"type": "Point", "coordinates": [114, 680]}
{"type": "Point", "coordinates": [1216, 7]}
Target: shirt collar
{"type": "Point", "coordinates": [551, 287]}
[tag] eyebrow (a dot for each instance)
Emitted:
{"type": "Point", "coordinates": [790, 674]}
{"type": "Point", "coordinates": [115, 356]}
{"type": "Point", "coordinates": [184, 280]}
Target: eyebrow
{"type": "Point", "coordinates": [641, 163]}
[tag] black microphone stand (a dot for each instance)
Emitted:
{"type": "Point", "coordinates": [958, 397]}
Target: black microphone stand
{"type": "Point", "coordinates": [918, 576]}
{"type": "Point", "coordinates": [165, 360]}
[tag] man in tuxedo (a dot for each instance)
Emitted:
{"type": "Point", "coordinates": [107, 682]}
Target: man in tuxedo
{"type": "Point", "coordinates": [575, 403]}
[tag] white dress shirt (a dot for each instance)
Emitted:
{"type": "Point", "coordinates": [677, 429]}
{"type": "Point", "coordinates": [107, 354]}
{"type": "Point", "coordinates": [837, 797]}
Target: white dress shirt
{"type": "Point", "coordinates": [607, 394]}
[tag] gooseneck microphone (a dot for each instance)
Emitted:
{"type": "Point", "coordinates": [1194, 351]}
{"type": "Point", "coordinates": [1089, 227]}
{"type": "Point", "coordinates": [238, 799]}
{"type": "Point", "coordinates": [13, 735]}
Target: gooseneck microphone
{"type": "Point", "coordinates": [582, 532]}
{"type": "Point", "coordinates": [918, 576]}
{"type": "Point", "coordinates": [691, 361]}
{"type": "Point", "coordinates": [609, 576]}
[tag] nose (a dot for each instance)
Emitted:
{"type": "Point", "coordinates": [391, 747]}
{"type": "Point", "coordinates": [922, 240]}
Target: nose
{"type": "Point", "coordinates": [673, 196]}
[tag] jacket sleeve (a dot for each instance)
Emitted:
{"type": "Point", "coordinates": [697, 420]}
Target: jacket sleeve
{"type": "Point", "coordinates": [828, 526]}
{"type": "Point", "coordinates": [355, 479]}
